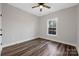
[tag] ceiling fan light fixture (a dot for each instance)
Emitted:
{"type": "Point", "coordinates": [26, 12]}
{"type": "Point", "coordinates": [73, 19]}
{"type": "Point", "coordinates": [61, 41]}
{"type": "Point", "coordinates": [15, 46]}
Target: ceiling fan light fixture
{"type": "Point", "coordinates": [41, 6]}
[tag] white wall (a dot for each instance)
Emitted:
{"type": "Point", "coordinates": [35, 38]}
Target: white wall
{"type": "Point", "coordinates": [66, 26]}
{"type": "Point", "coordinates": [78, 30]}
{"type": "Point", "coordinates": [0, 28]}
{"type": "Point", "coordinates": [0, 21]}
{"type": "Point", "coordinates": [17, 25]}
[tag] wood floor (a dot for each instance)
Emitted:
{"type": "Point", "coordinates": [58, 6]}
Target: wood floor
{"type": "Point", "coordinates": [40, 47]}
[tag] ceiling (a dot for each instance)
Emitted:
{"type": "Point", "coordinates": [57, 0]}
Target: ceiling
{"type": "Point", "coordinates": [36, 11]}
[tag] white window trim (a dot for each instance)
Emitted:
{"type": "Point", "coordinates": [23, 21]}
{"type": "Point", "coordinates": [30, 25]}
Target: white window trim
{"type": "Point", "coordinates": [48, 26]}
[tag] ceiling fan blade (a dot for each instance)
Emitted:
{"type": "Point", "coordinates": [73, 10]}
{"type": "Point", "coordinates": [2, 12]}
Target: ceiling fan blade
{"type": "Point", "coordinates": [46, 6]}
{"type": "Point", "coordinates": [40, 9]}
{"type": "Point", "coordinates": [35, 6]}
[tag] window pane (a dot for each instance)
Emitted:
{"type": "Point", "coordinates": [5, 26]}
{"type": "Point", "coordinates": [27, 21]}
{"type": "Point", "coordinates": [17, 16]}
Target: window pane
{"type": "Point", "coordinates": [52, 27]}
{"type": "Point", "coordinates": [52, 31]}
{"type": "Point", "coordinates": [54, 23]}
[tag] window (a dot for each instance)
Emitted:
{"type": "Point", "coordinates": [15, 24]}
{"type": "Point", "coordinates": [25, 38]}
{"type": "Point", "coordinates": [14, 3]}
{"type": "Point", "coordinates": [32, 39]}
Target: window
{"type": "Point", "coordinates": [51, 26]}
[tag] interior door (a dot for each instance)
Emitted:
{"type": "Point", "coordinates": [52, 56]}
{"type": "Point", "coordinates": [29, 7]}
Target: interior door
{"type": "Point", "coordinates": [0, 30]}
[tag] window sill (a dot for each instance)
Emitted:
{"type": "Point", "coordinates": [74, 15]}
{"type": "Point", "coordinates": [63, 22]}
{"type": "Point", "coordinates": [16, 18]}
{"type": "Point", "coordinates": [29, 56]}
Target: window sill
{"type": "Point", "coordinates": [51, 35]}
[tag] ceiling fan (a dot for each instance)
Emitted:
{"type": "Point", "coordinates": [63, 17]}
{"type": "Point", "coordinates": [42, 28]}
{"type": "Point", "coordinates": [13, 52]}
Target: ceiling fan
{"type": "Point", "coordinates": [41, 5]}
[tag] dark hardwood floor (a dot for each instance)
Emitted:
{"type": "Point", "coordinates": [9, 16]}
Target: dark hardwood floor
{"type": "Point", "coordinates": [40, 47]}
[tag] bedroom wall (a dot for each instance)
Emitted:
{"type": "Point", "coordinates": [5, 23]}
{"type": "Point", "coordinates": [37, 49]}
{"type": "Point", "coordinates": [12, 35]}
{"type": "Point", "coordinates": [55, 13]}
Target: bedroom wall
{"type": "Point", "coordinates": [78, 30]}
{"type": "Point", "coordinates": [17, 25]}
{"type": "Point", "coordinates": [66, 26]}
{"type": "Point", "coordinates": [0, 21]}
{"type": "Point", "coordinates": [0, 28]}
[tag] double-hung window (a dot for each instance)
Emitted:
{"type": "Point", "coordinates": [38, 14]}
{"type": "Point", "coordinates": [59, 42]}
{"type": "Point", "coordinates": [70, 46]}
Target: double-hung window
{"type": "Point", "coordinates": [52, 26]}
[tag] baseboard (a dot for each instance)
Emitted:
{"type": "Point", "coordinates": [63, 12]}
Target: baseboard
{"type": "Point", "coordinates": [32, 38]}
{"type": "Point", "coordinates": [17, 42]}
{"type": "Point", "coordinates": [59, 41]}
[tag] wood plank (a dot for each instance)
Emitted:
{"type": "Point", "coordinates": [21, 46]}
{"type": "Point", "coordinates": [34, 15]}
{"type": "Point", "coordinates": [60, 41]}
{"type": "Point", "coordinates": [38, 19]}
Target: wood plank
{"type": "Point", "coordinates": [40, 47]}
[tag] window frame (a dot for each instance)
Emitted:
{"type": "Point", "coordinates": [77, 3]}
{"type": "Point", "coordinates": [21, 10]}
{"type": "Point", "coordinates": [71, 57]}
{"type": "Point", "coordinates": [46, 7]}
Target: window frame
{"type": "Point", "coordinates": [56, 19]}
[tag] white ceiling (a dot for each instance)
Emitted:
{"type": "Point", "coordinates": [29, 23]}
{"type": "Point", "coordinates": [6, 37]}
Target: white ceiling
{"type": "Point", "coordinates": [36, 11]}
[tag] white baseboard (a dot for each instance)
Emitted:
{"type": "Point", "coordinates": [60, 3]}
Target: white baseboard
{"type": "Point", "coordinates": [28, 39]}
{"type": "Point", "coordinates": [59, 41]}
